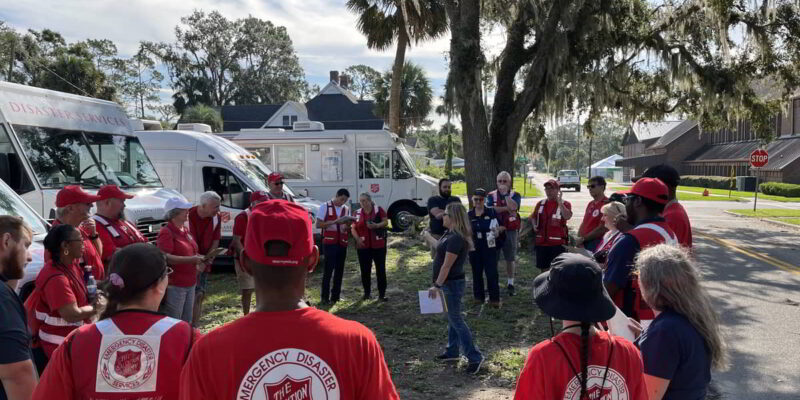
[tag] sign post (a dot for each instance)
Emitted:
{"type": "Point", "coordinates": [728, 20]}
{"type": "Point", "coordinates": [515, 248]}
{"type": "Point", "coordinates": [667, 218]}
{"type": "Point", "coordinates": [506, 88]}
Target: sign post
{"type": "Point", "coordinates": [758, 159]}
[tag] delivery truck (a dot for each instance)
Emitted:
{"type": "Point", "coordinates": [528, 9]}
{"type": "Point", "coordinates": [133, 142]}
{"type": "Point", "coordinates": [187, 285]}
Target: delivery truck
{"type": "Point", "coordinates": [319, 162]}
{"type": "Point", "coordinates": [51, 139]}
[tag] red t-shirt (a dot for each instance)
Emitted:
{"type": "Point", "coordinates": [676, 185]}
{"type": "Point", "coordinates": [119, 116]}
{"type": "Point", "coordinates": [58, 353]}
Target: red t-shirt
{"type": "Point", "coordinates": [301, 354]}
{"type": "Point", "coordinates": [593, 217]}
{"type": "Point", "coordinates": [240, 225]}
{"type": "Point", "coordinates": [204, 230]}
{"type": "Point", "coordinates": [178, 242]}
{"type": "Point", "coordinates": [547, 374]}
{"type": "Point", "coordinates": [56, 288]}
{"type": "Point", "coordinates": [90, 255]}
{"type": "Point", "coordinates": [678, 220]}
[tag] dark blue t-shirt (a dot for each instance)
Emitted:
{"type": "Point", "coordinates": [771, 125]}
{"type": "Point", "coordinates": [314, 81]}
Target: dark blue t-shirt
{"type": "Point", "coordinates": [15, 343]}
{"type": "Point", "coordinates": [450, 243]}
{"type": "Point", "coordinates": [673, 349]}
{"type": "Point", "coordinates": [481, 226]}
{"type": "Point", "coordinates": [437, 225]}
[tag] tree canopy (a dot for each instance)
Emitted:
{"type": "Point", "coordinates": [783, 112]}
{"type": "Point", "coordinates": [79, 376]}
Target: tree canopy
{"type": "Point", "coordinates": [416, 99]}
{"type": "Point", "coordinates": [363, 79]}
{"type": "Point", "coordinates": [634, 58]}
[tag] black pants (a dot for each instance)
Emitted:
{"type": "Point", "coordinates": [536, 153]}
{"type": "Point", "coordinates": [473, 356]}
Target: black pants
{"type": "Point", "coordinates": [334, 267]}
{"type": "Point", "coordinates": [484, 261]}
{"type": "Point", "coordinates": [365, 259]}
{"type": "Point", "coordinates": [546, 254]}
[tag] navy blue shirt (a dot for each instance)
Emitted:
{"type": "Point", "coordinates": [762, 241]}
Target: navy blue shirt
{"type": "Point", "coordinates": [673, 349]}
{"type": "Point", "coordinates": [15, 343]}
{"type": "Point", "coordinates": [481, 226]}
{"type": "Point", "coordinates": [437, 225]}
{"type": "Point", "coordinates": [620, 258]}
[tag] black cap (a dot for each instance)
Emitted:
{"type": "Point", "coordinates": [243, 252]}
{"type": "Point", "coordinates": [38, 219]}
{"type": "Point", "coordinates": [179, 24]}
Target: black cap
{"type": "Point", "coordinates": [664, 172]}
{"type": "Point", "coordinates": [479, 192]}
{"type": "Point", "coordinates": [573, 290]}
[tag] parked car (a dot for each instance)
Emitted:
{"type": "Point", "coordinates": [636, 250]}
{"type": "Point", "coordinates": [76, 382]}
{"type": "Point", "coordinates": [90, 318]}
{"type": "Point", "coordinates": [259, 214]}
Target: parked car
{"type": "Point", "coordinates": [569, 178]}
{"type": "Point", "coordinates": [12, 204]}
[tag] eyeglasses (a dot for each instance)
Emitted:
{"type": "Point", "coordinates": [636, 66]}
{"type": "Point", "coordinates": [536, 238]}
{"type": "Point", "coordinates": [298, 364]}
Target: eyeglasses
{"type": "Point", "coordinates": [279, 183]}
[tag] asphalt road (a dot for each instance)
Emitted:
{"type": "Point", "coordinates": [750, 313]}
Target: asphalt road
{"type": "Point", "coordinates": [751, 269]}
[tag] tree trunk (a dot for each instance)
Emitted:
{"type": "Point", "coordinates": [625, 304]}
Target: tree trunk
{"type": "Point", "coordinates": [397, 84]}
{"type": "Point", "coordinates": [448, 162]}
{"type": "Point", "coordinates": [591, 142]}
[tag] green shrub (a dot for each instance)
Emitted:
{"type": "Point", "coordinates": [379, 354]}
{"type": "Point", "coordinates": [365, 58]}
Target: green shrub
{"type": "Point", "coordinates": [433, 171]}
{"type": "Point", "coordinates": [780, 189]}
{"type": "Point", "coordinates": [458, 175]}
{"type": "Point", "coordinates": [709, 182]}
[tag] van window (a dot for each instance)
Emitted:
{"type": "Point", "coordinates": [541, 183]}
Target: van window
{"type": "Point", "coordinates": [12, 169]}
{"type": "Point", "coordinates": [226, 185]}
{"type": "Point", "coordinates": [400, 169]}
{"type": "Point", "coordinates": [290, 161]}
{"type": "Point", "coordinates": [373, 165]}
{"type": "Point", "coordinates": [264, 154]}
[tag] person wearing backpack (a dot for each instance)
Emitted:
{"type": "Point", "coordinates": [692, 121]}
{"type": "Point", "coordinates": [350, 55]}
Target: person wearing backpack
{"type": "Point", "coordinates": [582, 362]}
{"type": "Point", "coordinates": [133, 351]}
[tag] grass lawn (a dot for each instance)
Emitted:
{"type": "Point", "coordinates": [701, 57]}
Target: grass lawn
{"type": "Point", "coordinates": [410, 340]}
{"type": "Point", "coordinates": [735, 193]}
{"type": "Point", "coordinates": [699, 197]}
{"type": "Point", "coordinates": [767, 213]}
{"type": "Point", "coordinates": [793, 221]}
{"type": "Point", "coordinates": [460, 188]}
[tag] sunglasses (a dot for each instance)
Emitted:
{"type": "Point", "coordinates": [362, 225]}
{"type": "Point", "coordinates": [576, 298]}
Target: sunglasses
{"type": "Point", "coordinates": [591, 186]}
{"type": "Point", "coordinates": [279, 183]}
{"type": "Point", "coordinates": [629, 198]}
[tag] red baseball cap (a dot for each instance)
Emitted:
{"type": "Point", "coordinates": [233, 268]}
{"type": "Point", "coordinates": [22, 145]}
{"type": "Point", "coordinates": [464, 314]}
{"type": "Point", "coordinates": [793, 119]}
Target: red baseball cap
{"type": "Point", "coordinates": [258, 195]}
{"type": "Point", "coordinates": [274, 177]}
{"type": "Point", "coordinates": [74, 194]}
{"type": "Point", "coordinates": [650, 188]}
{"type": "Point", "coordinates": [112, 192]}
{"type": "Point", "coordinates": [279, 220]}
{"type": "Point", "coordinates": [552, 182]}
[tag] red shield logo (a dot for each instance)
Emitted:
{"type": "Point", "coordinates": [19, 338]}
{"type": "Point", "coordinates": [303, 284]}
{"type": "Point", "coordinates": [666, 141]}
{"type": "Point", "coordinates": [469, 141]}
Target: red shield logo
{"type": "Point", "coordinates": [289, 388]}
{"type": "Point", "coordinates": [225, 216]}
{"type": "Point", "coordinates": [375, 188]}
{"type": "Point", "coordinates": [597, 393]}
{"type": "Point", "coordinates": [128, 363]}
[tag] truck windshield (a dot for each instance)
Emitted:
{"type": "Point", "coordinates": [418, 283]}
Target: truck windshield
{"type": "Point", "coordinates": [258, 173]}
{"type": "Point", "coordinates": [60, 157]}
{"type": "Point", "coordinates": [11, 204]}
{"type": "Point", "coordinates": [402, 166]}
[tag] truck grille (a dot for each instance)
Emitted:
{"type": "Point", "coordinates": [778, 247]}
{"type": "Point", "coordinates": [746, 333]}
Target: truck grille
{"type": "Point", "coordinates": [149, 228]}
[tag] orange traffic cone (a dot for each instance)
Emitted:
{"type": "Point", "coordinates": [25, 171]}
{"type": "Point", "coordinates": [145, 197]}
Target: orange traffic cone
{"type": "Point", "coordinates": [705, 192]}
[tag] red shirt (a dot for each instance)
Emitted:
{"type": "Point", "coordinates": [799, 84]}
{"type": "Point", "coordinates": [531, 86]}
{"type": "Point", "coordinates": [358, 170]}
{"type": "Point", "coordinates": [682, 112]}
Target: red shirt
{"type": "Point", "coordinates": [55, 288]}
{"type": "Point", "coordinates": [240, 226]}
{"type": "Point", "coordinates": [114, 234]}
{"type": "Point", "coordinates": [547, 374]}
{"type": "Point", "coordinates": [90, 254]}
{"type": "Point", "coordinates": [74, 374]}
{"type": "Point", "coordinates": [593, 217]}
{"type": "Point", "coordinates": [678, 220]}
{"type": "Point", "coordinates": [178, 242]}
{"type": "Point", "coordinates": [304, 353]}
{"type": "Point", "coordinates": [204, 230]}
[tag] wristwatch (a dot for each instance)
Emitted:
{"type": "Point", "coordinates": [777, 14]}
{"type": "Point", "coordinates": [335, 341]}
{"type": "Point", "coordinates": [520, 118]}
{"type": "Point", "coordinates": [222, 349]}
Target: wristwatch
{"type": "Point", "coordinates": [436, 285]}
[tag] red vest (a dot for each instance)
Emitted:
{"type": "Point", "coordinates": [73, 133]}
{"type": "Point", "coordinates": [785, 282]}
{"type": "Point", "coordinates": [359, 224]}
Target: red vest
{"type": "Point", "coordinates": [551, 228]}
{"type": "Point", "coordinates": [107, 363]}
{"type": "Point", "coordinates": [336, 233]}
{"type": "Point", "coordinates": [370, 237]}
{"type": "Point", "coordinates": [647, 235]}
{"type": "Point", "coordinates": [121, 232]}
{"type": "Point", "coordinates": [508, 219]}
{"type": "Point", "coordinates": [47, 325]}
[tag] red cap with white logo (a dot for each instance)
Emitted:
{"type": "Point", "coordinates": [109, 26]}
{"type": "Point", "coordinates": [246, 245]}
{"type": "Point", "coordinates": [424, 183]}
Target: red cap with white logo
{"type": "Point", "coordinates": [272, 226]}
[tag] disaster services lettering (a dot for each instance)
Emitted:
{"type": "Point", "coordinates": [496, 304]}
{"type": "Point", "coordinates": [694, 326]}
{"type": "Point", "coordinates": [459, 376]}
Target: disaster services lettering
{"type": "Point", "coordinates": [53, 112]}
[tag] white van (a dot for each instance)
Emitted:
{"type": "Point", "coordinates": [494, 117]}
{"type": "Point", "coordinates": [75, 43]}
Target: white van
{"type": "Point", "coordinates": [193, 162]}
{"type": "Point", "coordinates": [322, 161]}
{"type": "Point", "coordinates": [12, 204]}
{"type": "Point", "coordinates": [51, 139]}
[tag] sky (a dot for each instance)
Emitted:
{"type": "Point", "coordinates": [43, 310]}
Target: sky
{"type": "Point", "coordinates": [323, 32]}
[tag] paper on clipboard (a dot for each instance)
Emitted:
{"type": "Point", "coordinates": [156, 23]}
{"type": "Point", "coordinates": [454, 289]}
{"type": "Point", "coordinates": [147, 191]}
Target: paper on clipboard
{"type": "Point", "coordinates": [214, 253]}
{"type": "Point", "coordinates": [428, 305]}
{"type": "Point", "coordinates": [618, 326]}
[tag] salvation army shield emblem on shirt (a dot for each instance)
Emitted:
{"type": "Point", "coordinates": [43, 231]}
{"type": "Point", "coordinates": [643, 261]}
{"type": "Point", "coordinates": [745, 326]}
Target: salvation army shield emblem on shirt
{"type": "Point", "coordinates": [128, 363]}
{"type": "Point", "coordinates": [288, 388]}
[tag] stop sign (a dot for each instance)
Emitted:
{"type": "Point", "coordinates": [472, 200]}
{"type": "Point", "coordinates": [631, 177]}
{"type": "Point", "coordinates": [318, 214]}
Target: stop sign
{"type": "Point", "coordinates": [759, 158]}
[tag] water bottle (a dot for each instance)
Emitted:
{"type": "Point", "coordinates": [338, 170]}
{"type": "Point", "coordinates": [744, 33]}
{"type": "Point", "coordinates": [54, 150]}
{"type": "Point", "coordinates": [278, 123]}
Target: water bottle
{"type": "Point", "coordinates": [91, 284]}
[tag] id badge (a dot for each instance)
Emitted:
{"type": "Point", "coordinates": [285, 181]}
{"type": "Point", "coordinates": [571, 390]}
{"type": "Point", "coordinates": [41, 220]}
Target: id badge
{"type": "Point", "coordinates": [480, 235]}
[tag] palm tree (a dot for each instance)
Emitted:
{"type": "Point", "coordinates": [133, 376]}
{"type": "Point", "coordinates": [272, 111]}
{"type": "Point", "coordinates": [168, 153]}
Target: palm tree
{"type": "Point", "coordinates": [416, 97]}
{"type": "Point", "coordinates": [448, 107]}
{"type": "Point", "coordinates": [384, 21]}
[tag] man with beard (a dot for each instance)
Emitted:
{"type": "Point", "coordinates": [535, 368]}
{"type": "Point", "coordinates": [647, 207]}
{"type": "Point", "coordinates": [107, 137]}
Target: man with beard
{"type": "Point", "coordinates": [436, 206]}
{"type": "Point", "coordinates": [114, 231]}
{"type": "Point", "coordinates": [644, 204]}
{"type": "Point", "coordinates": [17, 374]}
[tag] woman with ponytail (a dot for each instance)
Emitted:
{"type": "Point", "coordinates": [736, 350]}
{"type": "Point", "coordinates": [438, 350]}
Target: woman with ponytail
{"type": "Point", "coordinates": [582, 362]}
{"type": "Point", "coordinates": [132, 351]}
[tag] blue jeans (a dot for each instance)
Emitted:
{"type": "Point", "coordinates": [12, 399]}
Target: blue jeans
{"type": "Point", "coordinates": [458, 332]}
{"type": "Point", "coordinates": [179, 302]}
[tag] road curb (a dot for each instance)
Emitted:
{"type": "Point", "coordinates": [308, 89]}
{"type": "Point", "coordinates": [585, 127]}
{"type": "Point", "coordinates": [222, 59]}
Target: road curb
{"type": "Point", "coordinates": [772, 221]}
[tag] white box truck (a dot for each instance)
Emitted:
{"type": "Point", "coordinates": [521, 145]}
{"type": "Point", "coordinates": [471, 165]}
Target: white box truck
{"type": "Point", "coordinates": [193, 162]}
{"type": "Point", "coordinates": [322, 161]}
{"type": "Point", "coordinates": [51, 139]}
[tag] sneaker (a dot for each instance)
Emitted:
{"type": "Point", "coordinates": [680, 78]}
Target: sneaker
{"type": "Point", "coordinates": [384, 298]}
{"type": "Point", "coordinates": [365, 297]}
{"type": "Point", "coordinates": [495, 304]}
{"type": "Point", "coordinates": [511, 289]}
{"type": "Point", "coordinates": [447, 357]}
{"type": "Point", "coordinates": [473, 368]}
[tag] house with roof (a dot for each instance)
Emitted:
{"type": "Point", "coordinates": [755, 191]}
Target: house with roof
{"type": "Point", "coordinates": [606, 168]}
{"type": "Point", "coordinates": [335, 106]}
{"type": "Point", "coordinates": [652, 143]}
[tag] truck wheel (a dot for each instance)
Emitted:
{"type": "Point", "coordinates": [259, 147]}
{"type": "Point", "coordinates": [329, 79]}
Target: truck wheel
{"type": "Point", "coordinates": [402, 219]}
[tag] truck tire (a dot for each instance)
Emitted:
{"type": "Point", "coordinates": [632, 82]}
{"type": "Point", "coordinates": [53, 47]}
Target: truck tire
{"type": "Point", "coordinates": [402, 218]}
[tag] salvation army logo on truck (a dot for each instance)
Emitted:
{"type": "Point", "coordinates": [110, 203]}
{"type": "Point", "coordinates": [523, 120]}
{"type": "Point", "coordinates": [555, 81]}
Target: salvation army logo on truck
{"type": "Point", "coordinates": [289, 374]}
